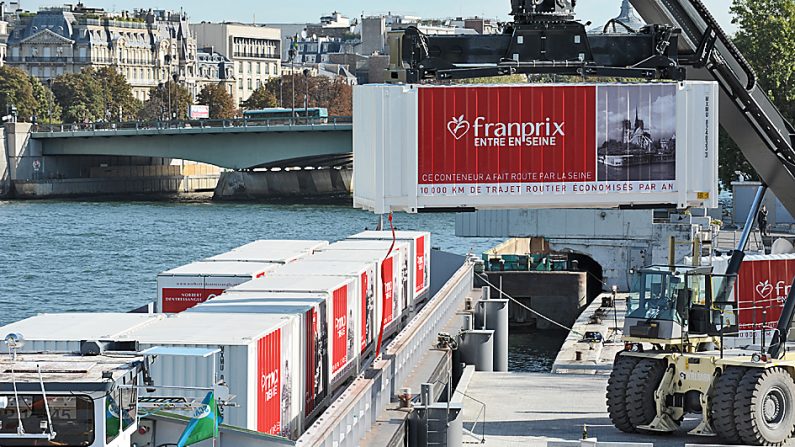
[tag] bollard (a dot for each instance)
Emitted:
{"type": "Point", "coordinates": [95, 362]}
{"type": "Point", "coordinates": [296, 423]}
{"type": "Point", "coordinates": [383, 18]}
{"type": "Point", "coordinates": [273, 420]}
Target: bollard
{"type": "Point", "coordinates": [477, 348]}
{"type": "Point", "coordinates": [469, 323]}
{"type": "Point", "coordinates": [496, 316]}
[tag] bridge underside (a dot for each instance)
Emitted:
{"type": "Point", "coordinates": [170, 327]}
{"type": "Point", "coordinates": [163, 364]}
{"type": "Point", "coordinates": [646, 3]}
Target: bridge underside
{"type": "Point", "coordinates": [233, 150]}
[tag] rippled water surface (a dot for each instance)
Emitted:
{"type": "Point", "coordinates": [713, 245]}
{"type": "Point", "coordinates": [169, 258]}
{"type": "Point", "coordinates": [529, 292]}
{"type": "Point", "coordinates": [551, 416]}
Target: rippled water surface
{"type": "Point", "coordinates": [58, 256]}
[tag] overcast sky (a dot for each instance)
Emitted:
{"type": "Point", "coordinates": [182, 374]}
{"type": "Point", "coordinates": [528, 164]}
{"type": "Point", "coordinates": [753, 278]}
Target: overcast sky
{"type": "Point", "coordinates": [597, 11]}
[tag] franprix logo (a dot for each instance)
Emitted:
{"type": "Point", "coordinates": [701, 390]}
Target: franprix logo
{"type": "Point", "coordinates": [764, 289]}
{"type": "Point", "coordinates": [459, 127]}
{"type": "Point", "coordinates": [544, 133]}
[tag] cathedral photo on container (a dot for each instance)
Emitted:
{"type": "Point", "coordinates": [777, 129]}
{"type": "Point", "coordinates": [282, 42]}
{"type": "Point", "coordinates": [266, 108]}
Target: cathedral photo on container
{"type": "Point", "coordinates": [636, 133]}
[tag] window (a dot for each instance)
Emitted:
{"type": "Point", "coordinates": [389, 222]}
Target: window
{"type": "Point", "coordinates": [72, 418]}
{"type": "Point", "coordinates": [249, 83]}
{"type": "Point", "coordinates": [121, 409]}
{"type": "Point", "coordinates": [259, 68]}
{"type": "Point", "coordinates": [249, 68]}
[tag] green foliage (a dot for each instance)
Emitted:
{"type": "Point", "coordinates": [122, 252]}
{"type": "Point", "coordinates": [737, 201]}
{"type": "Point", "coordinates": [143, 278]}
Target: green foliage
{"type": "Point", "coordinates": [16, 89]}
{"type": "Point", "coordinates": [169, 99]}
{"type": "Point", "coordinates": [333, 94]}
{"type": "Point", "coordinates": [117, 92]}
{"type": "Point", "coordinates": [261, 98]}
{"type": "Point", "coordinates": [510, 79]}
{"type": "Point", "coordinates": [47, 108]}
{"type": "Point", "coordinates": [221, 103]}
{"type": "Point", "coordinates": [766, 37]}
{"type": "Point", "coordinates": [80, 95]}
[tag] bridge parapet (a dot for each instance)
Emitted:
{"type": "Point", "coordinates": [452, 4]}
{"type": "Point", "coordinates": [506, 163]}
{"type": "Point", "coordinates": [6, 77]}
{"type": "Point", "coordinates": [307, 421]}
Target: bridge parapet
{"type": "Point", "coordinates": [193, 127]}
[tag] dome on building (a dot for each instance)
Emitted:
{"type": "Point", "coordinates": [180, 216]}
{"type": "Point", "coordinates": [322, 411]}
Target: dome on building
{"type": "Point", "coordinates": [628, 16]}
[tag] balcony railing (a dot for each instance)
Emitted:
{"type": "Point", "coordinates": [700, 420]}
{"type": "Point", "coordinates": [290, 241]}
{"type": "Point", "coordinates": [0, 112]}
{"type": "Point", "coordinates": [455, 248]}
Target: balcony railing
{"type": "Point", "coordinates": [36, 59]}
{"type": "Point", "coordinates": [257, 55]}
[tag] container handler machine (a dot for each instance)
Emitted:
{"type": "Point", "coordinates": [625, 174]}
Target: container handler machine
{"type": "Point", "coordinates": [675, 362]}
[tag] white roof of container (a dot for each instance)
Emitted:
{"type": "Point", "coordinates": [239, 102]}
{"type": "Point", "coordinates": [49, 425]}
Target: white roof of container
{"type": "Point", "coordinates": [721, 263]}
{"type": "Point", "coordinates": [331, 267]}
{"type": "Point", "coordinates": [195, 328]}
{"type": "Point", "coordinates": [402, 234]}
{"type": "Point", "coordinates": [292, 284]}
{"type": "Point", "coordinates": [346, 255]}
{"type": "Point", "coordinates": [79, 326]}
{"type": "Point", "coordinates": [269, 251]}
{"type": "Point", "coordinates": [361, 245]}
{"type": "Point", "coordinates": [260, 296]}
{"type": "Point", "coordinates": [252, 302]}
{"type": "Point", "coordinates": [231, 268]}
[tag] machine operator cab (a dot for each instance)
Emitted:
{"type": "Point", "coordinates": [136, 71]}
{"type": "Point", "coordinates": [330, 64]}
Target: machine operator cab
{"type": "Point", "coordinates": [671, 305]}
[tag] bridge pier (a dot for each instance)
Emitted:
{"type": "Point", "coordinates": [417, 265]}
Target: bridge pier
{"type": "Point", "coordinates": [266, 185]}
{"type": "Point", "coordinates": [26, 172]}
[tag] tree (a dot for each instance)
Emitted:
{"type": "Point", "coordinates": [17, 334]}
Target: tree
{"type": "Point", "coordinates": [47, 108]}
{"type": "Point", "coordinates": [766, 37]}
{"type": "Point", "coordinates": [221, 103]}
{"type": "Point", "coordinates": [121, 105]}
{"type": "Point", "coordinates": [261, 98]}
{"type": "Point", "coordinates": [80, 95]}
{"type": "Point", "coordinates": [167, 100]}
{"type": "Point", "coordinates": [333, 94]}
{"type": "Point", "coordinates": [16, 90]}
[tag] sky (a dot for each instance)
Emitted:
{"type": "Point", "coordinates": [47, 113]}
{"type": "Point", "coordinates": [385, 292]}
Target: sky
{"type": "Point", "coordinates": [302, 11]}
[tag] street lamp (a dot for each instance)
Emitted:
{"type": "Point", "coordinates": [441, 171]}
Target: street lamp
{"type": "Point", "coordinates": [49, 104]}
{"type": "Point", "coordinates": [306, 94]}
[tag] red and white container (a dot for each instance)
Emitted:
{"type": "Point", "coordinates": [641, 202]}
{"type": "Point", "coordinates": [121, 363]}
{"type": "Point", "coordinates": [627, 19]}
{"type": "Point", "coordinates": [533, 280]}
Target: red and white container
{"type": "Point", "coordinates": [391, 283]}
{"type": "Point", "coordinates": [762, 285]}
{"type": "Point", "coordinates": [404, 292]}
{"type": "Point", "coordinates": [184, 287]}
{"type": "Point", "coordinates": [262, 357]}
{"type": "Point", "coordinates": [364, 277]}
{"type": "Point", "coordinates": [535, 146]}
{"type": "Point", "coordinates": [278, 251]}
{"type": "Point", "coordinates": [342, 314]}
{"type": "Point", "coordinates": [419, 252]}
{"type": "Point", "coordinates": [311, 307]}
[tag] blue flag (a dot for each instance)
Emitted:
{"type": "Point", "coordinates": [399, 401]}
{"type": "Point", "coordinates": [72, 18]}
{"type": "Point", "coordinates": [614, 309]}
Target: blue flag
{"type": "Point", "coordinates": [203, 425]}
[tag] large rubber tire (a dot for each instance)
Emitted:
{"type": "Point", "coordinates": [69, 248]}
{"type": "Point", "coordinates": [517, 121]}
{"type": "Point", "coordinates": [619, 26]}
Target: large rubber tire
{"type": "Point", "coordinates": [617, 392]}
{"type": "Point", "coordinates": [643, 383]}
{"type": "Point", "coordinates": [721, 404]}
{"type": "Point", "coordinates": [764, 408]}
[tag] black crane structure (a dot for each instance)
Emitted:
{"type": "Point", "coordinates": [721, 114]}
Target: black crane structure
{"type": "Point", "coordinates": [682, 42]}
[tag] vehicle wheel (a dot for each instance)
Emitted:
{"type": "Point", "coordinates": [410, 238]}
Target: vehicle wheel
{"type": "Point", "coordinates": [643, 383]}
{"type": "Point", "coordinates": [617, 392]}
{"type": "Point", "coordinates": [764, 409]}
{"type": "Point", "coordinates": [721, 404]}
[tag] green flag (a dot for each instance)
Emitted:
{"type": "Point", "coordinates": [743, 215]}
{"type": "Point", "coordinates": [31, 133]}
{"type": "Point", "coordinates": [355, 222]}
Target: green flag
{"type": "Point", "coordinates": [203, 425]}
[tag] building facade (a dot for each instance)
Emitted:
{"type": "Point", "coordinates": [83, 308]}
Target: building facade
{"type": "Point", "coordinates": [255, 52]}
{"type": "Point", "coordinates": [3, 39]}
{"type": "Point", "coordinates": [147, 47]}
{"type": "Point", "coordinates": [213, 67]}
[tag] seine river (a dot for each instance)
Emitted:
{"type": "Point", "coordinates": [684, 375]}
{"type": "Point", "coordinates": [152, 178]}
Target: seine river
{"type": "Point", "coordinates": [70, 256]}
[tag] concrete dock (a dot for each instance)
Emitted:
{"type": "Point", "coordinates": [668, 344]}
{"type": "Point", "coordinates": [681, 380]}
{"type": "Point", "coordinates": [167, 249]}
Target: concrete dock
{"type": "Point", "coordinates": [579, 355]}
{"type": "Point", "coordinates": [531, 409]}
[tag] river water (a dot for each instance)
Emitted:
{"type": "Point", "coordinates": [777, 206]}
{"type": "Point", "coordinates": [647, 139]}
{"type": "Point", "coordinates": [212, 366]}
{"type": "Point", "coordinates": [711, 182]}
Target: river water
{"type": "Point", "coordinates": [70, 256]}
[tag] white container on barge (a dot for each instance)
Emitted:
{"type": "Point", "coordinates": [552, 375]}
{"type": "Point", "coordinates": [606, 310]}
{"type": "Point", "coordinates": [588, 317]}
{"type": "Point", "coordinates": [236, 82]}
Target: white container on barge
{"type": "Point", "coordinates": [406, 295]}
{"type": "Point", "coordinates": [391, 283]}
{"type": "Point", "coordinates": [186, 286]}
{"type": "Point", "coordinates": [278, 251]}
{"type": "Point", "coordinates": [311, 308]}
{"type": "Point", "coordinates": [63, 332]}
{"type": "Point", "coordinates": [261, 355]}
{"type": "Point", "coordinates": [419, 252]}
{"type": "Point", "coordinates": [365, 280]}
{"type": "Point", "coordinates": [342, 307]}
